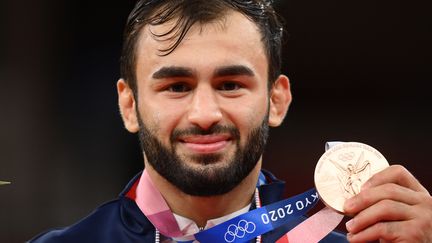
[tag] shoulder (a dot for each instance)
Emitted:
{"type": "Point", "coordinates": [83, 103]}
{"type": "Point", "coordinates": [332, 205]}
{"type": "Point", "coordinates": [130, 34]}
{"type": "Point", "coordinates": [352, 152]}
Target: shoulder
{"type": "Point", "coordinates": [114, 221]}
{"type": "Point", "coordinates": [87, 228]}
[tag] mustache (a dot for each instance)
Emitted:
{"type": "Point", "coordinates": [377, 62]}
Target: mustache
{"type": "Point", "coordinates": [215, 129]}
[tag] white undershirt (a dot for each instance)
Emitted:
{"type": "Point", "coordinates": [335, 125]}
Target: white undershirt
{"type": "Point", "coordinates": [189, 227]}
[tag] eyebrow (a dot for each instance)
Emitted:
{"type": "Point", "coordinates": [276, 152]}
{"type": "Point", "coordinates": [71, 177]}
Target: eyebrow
{"type": "Point", "coordinates": [234, 70]}
{"type": "Point", "coordinates": [173, 71]}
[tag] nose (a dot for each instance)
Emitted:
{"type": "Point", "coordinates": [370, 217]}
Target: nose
{"type": "Point", "coordinates": [204, 110]}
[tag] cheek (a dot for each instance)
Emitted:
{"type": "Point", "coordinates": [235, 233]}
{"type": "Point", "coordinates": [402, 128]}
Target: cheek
{"type": "Point", "coordinates": [162, 119]}
{"type": "Point", "coordinates": [249, 115]}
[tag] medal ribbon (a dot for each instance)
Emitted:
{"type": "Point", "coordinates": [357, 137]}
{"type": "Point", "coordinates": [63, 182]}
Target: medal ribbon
{"type": "Point", "coordinates": [259, 221]}
{"type": "Point", "coordinates": [238, 229]}
{"type": "Point", "coordinates": [154, 207]}
{"type": "Point", "coordinates": [314, 228]}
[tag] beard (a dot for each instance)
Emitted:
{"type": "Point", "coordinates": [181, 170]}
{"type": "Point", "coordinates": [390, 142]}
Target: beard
{"type": "Point", "coordinates": [209, 178]}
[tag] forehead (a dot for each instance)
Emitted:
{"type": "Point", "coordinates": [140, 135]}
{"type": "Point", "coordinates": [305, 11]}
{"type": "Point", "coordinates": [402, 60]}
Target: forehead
{"type": "Point", "coordinates": [233, 39]}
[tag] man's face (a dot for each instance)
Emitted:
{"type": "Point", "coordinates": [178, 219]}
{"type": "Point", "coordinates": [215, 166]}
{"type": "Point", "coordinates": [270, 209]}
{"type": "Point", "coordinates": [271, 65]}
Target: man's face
{"type": "Point", "coordinates": [203, 109]}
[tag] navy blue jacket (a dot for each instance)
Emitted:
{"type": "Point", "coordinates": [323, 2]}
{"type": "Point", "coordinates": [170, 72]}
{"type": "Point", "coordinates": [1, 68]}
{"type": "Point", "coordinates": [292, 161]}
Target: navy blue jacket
{"type": "Point", "coordinates": [121, 221]}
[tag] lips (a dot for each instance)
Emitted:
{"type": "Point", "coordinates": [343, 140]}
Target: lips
{"type": "Point", "coordinates": [205, 144]}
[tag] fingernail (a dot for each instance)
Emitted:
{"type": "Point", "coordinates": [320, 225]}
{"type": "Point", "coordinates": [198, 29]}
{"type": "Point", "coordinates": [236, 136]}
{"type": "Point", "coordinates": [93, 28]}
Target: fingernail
{"type": "Point", "coordinates": [349, 236]}
{"type": "Point", "coordinates": [349, 225]}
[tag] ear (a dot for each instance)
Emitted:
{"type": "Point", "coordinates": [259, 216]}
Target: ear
{"type": "Point", "coordinates": [127, 106]}
{"type": "Point", "coordinates": [280, 99]}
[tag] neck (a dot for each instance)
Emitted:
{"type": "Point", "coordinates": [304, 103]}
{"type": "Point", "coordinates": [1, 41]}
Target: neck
{"type": "Point", "coordinates": [201, 209]}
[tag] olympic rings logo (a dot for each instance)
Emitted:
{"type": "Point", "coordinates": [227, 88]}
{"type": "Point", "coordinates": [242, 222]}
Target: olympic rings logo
{"type": "Point", "coordinates": [239, 230]}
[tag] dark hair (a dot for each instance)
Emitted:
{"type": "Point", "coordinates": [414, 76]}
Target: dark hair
{"type": "Point", "coordinates": [186, 13]}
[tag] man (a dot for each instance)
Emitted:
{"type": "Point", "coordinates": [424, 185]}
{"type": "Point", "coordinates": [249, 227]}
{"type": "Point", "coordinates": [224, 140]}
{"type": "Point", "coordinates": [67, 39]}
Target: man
{"type": "Point", "coordinates": [201, 84]}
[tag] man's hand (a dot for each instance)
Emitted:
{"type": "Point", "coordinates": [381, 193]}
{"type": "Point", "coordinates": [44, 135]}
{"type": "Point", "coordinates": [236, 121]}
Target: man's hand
{"type": "Point", "coordinates": [392, 207]}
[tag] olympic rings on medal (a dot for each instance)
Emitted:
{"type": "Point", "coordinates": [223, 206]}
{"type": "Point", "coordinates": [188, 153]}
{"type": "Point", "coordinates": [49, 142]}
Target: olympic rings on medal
{"type": "Point", "coordinates": [239, 230]}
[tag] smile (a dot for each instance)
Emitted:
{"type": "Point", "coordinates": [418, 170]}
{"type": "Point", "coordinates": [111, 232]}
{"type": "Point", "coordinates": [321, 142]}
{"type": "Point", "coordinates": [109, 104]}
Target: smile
{"type": "Point", "coordinates": [205, 144]}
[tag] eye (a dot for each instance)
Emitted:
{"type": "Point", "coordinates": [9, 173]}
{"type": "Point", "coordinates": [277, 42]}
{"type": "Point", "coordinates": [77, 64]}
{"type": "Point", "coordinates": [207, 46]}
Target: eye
{"type": "Point", "coordinates": [229, 86]}
{"type": "Point", "coordinates": [178, 88]}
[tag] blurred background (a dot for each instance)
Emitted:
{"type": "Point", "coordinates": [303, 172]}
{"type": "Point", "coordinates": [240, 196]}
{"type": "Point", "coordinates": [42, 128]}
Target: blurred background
{"type": "Point", "coordinates": [360, 71]}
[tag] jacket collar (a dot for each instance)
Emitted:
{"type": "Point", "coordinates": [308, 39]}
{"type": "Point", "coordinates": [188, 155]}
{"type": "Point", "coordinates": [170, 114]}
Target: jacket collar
{"type": "Point", "coordinates": [135, 220]}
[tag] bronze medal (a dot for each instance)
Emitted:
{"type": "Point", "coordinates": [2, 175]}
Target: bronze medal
{"type": "Point", "coordinates": [342, 170]}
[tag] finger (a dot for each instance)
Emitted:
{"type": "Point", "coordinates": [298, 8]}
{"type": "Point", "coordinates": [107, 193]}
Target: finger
{"type": "Point", "coordinates": [386, 210]}
{"type": "Point", "coordinates": [395, 174]}
{"type": "Point", "coordinates": [368, 197]}
{"type": "Point", "coordinates": [400, 231]}
{"type": "Point", "coordinates": [387, 231]}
